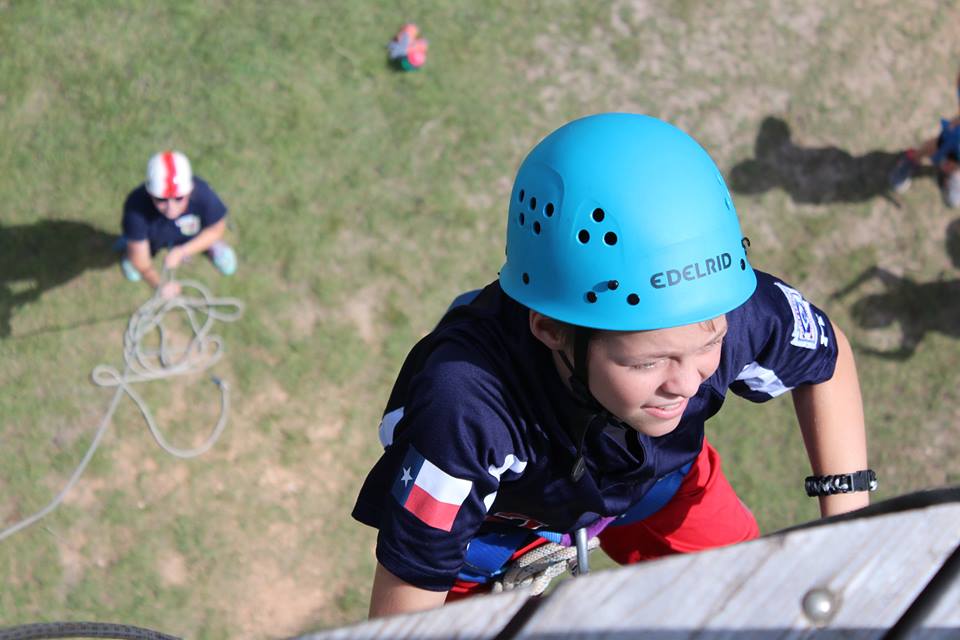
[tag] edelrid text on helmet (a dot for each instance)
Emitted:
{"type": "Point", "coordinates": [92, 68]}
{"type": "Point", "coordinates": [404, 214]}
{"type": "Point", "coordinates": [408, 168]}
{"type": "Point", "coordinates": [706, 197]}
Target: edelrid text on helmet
{"type": "Point", "coordinates": [169, 175]}
{"type": "Point", "coordinates": [623, 222]}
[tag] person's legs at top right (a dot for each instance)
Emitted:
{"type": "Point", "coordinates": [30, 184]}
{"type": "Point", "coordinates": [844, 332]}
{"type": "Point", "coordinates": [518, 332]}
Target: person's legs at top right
{"type": "Point", "coordinates": [909, 161]}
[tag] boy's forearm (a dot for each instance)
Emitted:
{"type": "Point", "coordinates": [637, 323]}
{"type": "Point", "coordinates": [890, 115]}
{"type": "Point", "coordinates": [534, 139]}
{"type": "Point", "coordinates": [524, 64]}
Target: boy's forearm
{"type": "Point", "coordinates": [205, 239]}
{"type": "Point", "coordinates": [391, 596]}
{"type": "Point", "coordinates": [150, 276]}
{"type": "Point", "coordinates": [832, 424]}
{"type": "Point", "coordinates": [145, 266]}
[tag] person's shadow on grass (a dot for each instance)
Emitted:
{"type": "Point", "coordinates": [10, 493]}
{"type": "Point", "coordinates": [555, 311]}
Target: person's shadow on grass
{"type": "Point", "coordinates": [37, 257]}
{"type": "Point", "coordinates": [813, 175]}
{"type": "Point", "coordinates": [919, 307]}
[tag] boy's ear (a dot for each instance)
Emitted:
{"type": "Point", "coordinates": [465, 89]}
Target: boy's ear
{"type": "Point", "coordinates": [548, 331]}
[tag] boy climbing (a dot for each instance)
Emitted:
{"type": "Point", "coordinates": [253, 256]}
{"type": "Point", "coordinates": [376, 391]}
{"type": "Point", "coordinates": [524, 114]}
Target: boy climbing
{"type": "Point", "coordinates": [571, 393]}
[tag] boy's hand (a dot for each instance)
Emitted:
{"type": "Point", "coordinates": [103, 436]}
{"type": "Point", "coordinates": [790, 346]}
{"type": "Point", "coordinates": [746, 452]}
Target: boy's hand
{"type": "Point", "coordinates": [169, 290]}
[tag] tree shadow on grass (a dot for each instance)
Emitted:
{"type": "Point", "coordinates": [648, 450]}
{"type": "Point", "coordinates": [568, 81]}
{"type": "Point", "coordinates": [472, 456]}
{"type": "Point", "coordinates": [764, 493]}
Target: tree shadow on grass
{"type": "Point", "coordinates": [35, 258]}
{"type": "Point", "coordinates": [919, 307]}
{"type": "Point", "coordinates": [814, 175]}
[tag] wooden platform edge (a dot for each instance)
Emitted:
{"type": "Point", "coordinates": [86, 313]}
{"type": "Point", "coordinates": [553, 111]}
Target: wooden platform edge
{"type": "Point", "coordinates": [888, 570]}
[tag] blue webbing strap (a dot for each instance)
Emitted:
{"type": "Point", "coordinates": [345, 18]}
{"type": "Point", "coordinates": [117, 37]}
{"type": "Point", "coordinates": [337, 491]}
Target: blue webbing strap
{"type": "Point", "coordinates": [656, 498]}
{"type": "Point", "coordinates": [487, 554]}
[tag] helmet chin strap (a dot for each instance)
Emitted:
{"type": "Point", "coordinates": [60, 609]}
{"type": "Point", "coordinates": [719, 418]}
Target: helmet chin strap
{"type": "Point", "coordinates": [580, 386]}
{"type": "Point", "coordinates": [579, 378]}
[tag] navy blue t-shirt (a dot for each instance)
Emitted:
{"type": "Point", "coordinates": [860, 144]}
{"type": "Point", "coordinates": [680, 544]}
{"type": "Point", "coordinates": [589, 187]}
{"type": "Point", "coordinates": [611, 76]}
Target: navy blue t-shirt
{"type": "Point", "coordinates": [142, 221]}
{"type": "Point", "coordinates": [476, 430]}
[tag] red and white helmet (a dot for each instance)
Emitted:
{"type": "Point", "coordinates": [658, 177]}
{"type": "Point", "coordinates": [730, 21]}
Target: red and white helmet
{"type": "Point", "coordinates": [169, 175]}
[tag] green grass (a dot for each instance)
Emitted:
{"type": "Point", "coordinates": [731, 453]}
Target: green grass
{"type": "Point", "coordinates": [362, 201]}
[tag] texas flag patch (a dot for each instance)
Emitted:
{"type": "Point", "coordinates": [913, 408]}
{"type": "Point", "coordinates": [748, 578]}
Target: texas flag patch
{"type": "Point", "coordinates": [428, 492]}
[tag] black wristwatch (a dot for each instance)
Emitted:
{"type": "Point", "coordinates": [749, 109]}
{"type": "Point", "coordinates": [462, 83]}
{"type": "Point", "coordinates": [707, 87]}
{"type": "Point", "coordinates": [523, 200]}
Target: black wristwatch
{"type": "Point", "coordinates": [865, 480]}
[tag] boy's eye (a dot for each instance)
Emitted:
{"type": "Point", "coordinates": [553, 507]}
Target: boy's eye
{"type": "Point", "coordinates": [645, 365]}
{"type": "Point", "coordinates": [713, 345]}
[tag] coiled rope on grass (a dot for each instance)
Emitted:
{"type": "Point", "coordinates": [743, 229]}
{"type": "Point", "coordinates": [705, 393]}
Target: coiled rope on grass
{"type": "Point", "coordinates": [143, 365]}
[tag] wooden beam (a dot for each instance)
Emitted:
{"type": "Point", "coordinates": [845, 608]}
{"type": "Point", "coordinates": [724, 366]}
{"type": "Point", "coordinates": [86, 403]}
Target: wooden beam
{"type": "Point", "coordinates": [866, 572]}
{"type": "Point", "coordinates": [477, 618]}
{"type": "Point", "coordinates": [893, 567]}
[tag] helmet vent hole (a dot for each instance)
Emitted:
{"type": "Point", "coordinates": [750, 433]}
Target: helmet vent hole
{"type": "Point", "coordinates": [633, 299]}
{"type": "Point", "coordinates": [522, 194]}
{"type": "Point", "coordinates": [533, 203]}
{"type": "Point", "coordinates": [536, 227]}
{"type": "Point", "coordinates": [591, 297]}
{"type": "Point", "coordinates": [522, 219]}
{"type": "Point", "coordinates": [583, 236]}
{"type": "Point", "coordinates": [743, 264]}
{"type": "Point", "coordinates": [548, 210]}
{"type": "Point", "coordinates": [598, 215]}
{"type": "Point", "coordinates": [526, 278]}
{"type": "Point", "coordinates": [610, 238]}
{"type": "Point", "coordinates": [613, 284]}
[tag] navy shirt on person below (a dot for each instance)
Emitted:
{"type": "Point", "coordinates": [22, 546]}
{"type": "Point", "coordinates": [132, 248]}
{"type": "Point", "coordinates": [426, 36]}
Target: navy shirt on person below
{"type": "Point", "coordinates": [476, 430]}
{"type": "Point", "coordinates": [142, 221]}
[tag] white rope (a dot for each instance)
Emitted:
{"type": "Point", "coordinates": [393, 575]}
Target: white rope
{"type": "Point", "coordinates": [537, 567]}
{"type": "Point", "coordinates": [142, 365]}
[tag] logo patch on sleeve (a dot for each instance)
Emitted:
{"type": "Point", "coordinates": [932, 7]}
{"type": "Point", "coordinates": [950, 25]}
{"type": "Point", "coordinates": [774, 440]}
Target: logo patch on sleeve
{"type": "Point", "coordinates": [428, 492]}
{"type": "Point", "coordinates": [805, 332]}
{"type": "Point", "coordinates": [188, 224]}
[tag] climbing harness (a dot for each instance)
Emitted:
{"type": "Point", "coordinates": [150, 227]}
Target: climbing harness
{"type": "Point", "coordinates": [142, 365]}
{"type": "Point", "coordinates": [537, 567]}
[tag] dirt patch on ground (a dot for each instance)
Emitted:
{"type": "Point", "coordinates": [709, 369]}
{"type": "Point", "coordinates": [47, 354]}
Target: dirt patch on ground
{"type": "Point", "coordinates": [277, 600]}
{"type": "Point", "coordinates": [172, 568]}
{"type": "Point", "coordinates": [74, 557]}
{"type": "Point", "coordinates": [360, 310]}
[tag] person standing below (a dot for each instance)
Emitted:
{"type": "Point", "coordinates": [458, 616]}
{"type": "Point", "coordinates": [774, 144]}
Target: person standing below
{"type": "Point", "coordinates": [943, 152]}
{"type": "Point", "coordinates": [176, 211]}
{"type": "Point", "coordinates": [567, 400]}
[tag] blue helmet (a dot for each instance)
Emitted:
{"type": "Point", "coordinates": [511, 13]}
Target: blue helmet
{"type": "Point", "coordinates": [621, 221]}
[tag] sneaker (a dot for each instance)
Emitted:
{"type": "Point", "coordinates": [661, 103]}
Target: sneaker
{"type": "Point", "coordinates": [129, 271]}
{"type": "Point", "coordinates": [223, 258]}
{"type": "Point", "coordinates": [900, 176]}
{"type": "Point", "coordinates": [950, 189]}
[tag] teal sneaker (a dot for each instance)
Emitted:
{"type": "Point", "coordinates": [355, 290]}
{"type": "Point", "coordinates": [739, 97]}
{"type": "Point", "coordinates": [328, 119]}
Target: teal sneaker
{"type": "Point", "coordinates": [223, 258]}
{"type": "Point", "coordinates": [129, 271]}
